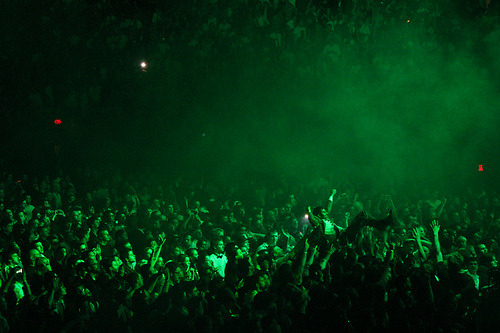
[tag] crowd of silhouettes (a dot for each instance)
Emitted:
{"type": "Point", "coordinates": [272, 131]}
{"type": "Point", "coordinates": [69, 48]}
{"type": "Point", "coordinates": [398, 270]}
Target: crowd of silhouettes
{"type": "Point", "coordinates": [100, 250]}
{"type": "Point", "coordinates": [90, 249]}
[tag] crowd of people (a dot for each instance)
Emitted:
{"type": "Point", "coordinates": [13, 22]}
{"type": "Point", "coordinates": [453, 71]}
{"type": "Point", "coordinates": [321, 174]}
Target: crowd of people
{"type": "Point", "coordinates": [102, 250]}
{"type": "Point", "coordinates": [94, 250]}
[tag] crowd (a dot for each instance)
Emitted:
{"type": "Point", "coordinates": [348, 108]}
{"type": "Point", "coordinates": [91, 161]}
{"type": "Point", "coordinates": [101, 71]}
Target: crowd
{"type": "Point", "coordinates": [100, 250]}
{"type": "Point", "coordinates": [95, 250]}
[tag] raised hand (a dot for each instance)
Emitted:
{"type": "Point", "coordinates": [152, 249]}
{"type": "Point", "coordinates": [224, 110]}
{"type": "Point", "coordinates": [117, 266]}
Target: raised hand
{"type": "Point", "coordinates": [306, 244]}
{"type": "Point", "coordinates": [435, 227]}
{"type": "Point", "coordinates": [162, 239]}
{"type": "Point", "coordinates": [332, 248]}
{"type": "Point", "coordinates": [416, 234]}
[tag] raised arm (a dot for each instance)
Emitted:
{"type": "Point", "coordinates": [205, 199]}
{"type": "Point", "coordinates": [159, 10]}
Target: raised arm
{"type": "Point", "coordinates": [314, 220]}
{"type": "Point", "coordinates": [416, 235]}
{"type": "Point", "coordinates": [439, 210]}
{"type": "Point", "coordinates": [311, 254]}
{"type": "Point", "coordinates": [300, 259]}
{"type": "Point", "coordinates": [7, 283]}
{"type": "Point", "coordinates": [326, 259]}
{"type": "Point", "coordinates": [330, 201]}
{"type": "Point", "coordinates": [184, 224]}
{"type": "Point", "coordinates": [156, 255]}
{"type": "Point", "coordinates": [435, 230]}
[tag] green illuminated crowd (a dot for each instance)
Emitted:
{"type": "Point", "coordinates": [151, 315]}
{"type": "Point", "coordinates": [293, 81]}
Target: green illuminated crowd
{"type": "Point", "coordinates": [92, 248]}
{"type": "Point", "coordinates": [101, 250]}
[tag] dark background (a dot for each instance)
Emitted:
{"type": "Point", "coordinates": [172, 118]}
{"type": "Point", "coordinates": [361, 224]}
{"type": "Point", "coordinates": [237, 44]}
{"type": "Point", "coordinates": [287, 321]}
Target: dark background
{"type": "Point", "coordinates": [405, 105]}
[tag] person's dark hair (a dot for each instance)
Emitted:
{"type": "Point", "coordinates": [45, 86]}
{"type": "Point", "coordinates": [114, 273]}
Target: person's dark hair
{"type": "Point", "coordinates": [76, 244]}
{"type": "Point", "coordinates": [486, 259]}
{"type": "Point", "coordinates": [74, 208]}
{"type": "Point", "coordinates": [58, 251]}
{"type": "Point", "coordinates": [71, 260]}
{"type": "Point", "coordinates": [6, 255]}
{"type": "Point", "coordinates": [121, 235]}
{"type": "Point", "coordinates": [41, 227]}
{"type": "Point", "coordinates": [314, 270]}
{"type": "Point", "coordinates": [33, 243]}
{"type": "Point", "coordinates": [106, 264]}
{"type": "Point", "coordinates": [123, 252]}
{"type": "Point", "coordinates": [271, 231]}
{"type": "Point", "coordinates": [132, 278]}
{"type": "Point", "coordinates": [455, 262]}
{"type": "Point", "coordinates": [283, 275]}
{"type": "Point", "coordinates": [250, 283]}
{"type": "Point", "coordinates": [190, 251]}
{"type": "Point", "coordinates": [231, 250]}
{"type": "Point", "coordinates": [263, 256]}
{"type": "Point", "coordinates": [102, 227]}
{"type": "Point", "coordinates": [470, 259]}
{"type": "Point", "coordinates": [317, 210]}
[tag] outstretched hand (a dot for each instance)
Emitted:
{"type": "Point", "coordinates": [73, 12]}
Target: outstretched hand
{"type": "Point", "coordinates": [162, 239]}
{"type": "Point", "coordinates": [306, 244]}
{"type": "Point", "coordinates": [416, 234]}
{"type": "Point", "coordinates": [332, 248]}
{"type": "Point", "coordinates": [435, 227]}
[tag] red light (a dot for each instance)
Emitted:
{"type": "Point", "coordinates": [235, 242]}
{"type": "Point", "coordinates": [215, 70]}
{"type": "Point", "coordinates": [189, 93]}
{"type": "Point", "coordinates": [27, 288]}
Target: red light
{"type": "Point", "coordinates": [57, 121]}
{"type": "Point", "coordinates": [480, 167]}
{"type": "Point", "coordinates": [407, 21]}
